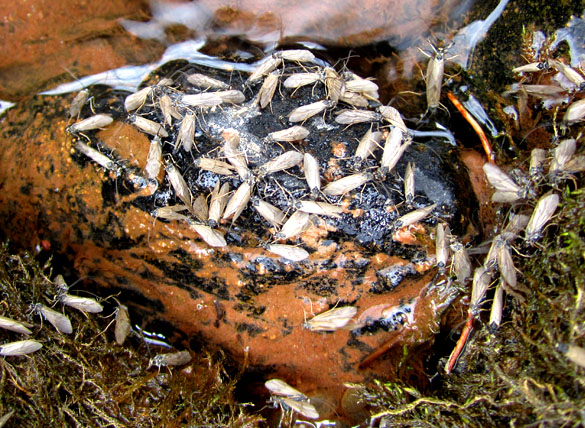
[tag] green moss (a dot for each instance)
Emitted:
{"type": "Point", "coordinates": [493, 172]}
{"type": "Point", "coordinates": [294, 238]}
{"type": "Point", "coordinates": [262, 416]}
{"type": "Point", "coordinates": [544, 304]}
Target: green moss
{"type": "Point", "coordinates": [85, 379]}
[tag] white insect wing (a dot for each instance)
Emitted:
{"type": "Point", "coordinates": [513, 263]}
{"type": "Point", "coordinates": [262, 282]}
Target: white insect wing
{"type": "Point", "coordinates": [265, 67]}
{"type": "Point", "coordinates": [231, 149]}
{"type": "Point", "coordinates": [544, 210]}
{"type": "Point", "coordinates": [320, 208]}
{"type": "Point", "coordinates": [283, 389]}
{"type": "Point", "coordinates": [212, 237]}
{"type": "Point", "coordinates": [153, 159]}
{"type": "Point", "coordinates": [206, 82]}
{"type": "Point", "coordinates": [506, 264]}
{"type": "Point", "coordinates": [232, 96]}
{"type": "Point", "coordinates": [298, 80]}
{"type": "Point", "coordinates": [352, 117]}
{"type": "Point", "coordinates": [368, 144]}
{"type": "Point", "coordinates": [300, 55]}
{"type": "Point", "coordinates": [94, 122]}
{"type": "Point", "coordinates": [149, 127]}
{"type": "Point", "coordinates": [22, 347]}
{"type": "Point", "coordinates": [137, 99]}
{"type": "Point", "coordinates": [347, 184]}
{"type": "Point", "coordinates": [214, 165]}
{"type": "Point", "coordinates": [99, 158]}
{"type": "Point", "coordinates": [497, 307]}
{"type": "Point", "coordinates": [393, 150]}
{"type": "Point", "coordinates": [269, 212]}
{"type": "Point", "coordinates": [499, 179]}
{"type": "Point", "coordinates": [238, 201]}
{"type": "Point", "coordinates": [84, 304]}
{"type": "Point", "coordinates": [435, 71]}
{"type": "Point", "coordinates": [354, 99]}
{"type": "Point", "coordinates": [360, 85]}
{"type": "Point", "coordinates": [303, 407]}
{"type": "Point", "coordinates": [332, 319]}
{"type": "Point", "coordinates": [294, 133]}
{"type": "Point", "coordinates": [122, 326]}
{"type": "Point", "coordinates": [267, 90]}
{"type": "Point", "coordinates": [179, 185]}
{"type": "Point", "coordinates": [284, 161]}
{"type": "Point", "coordinates": [393, 116]}
{"type": "Point", "coordinates": [12, 325]}
{"type": "Point", "coordinates": [171, 359]}
{"type": "Point", "coordinates": [295, 225]}
{"type": "Point", "coordinates": [187, 132]}
{"type": "Point", "coordinates": [562, 153]}
{"type": "Point", "coordinates": [218, 202]}
{"type": "Point", "coordinates": [303, 113]}
{"type": "Point", "coordinates": [415, 216]}
{"type": "Point", "coordinates": [78, 103]}
{"type": "Point", "coordinates": [296, 254]}
{"type": "Point", "coordinates": [575, 112]}
{"type": "Point", "coordinates": [205, 99]}
{"type": "Point", "coordinates": [481, 282]}
{"type": "Point", "coordinates": [312, 175]}
{"type": "Point", "coordinates": [57, 319]}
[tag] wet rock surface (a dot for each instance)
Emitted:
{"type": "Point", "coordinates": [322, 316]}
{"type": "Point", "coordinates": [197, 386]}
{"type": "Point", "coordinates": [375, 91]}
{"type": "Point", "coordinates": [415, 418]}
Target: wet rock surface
{"type": "Point", "coordinates": [240, 297]}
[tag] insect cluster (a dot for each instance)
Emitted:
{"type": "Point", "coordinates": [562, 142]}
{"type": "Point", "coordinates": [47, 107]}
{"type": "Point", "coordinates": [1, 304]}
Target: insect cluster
{"type": "Point", "coordinates": [534, 196]}
{"type": "Point", "coordinates": [291, 146]}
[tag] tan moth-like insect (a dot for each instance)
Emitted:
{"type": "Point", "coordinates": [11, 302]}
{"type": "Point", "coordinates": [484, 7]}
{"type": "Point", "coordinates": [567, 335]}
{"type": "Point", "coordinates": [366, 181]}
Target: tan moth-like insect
{"type": "Point", "coordinates": [434, 76]}
{"type": "Point", "coordinates": [298, 80]}
{"type": "Point", "coordinates": [219, 198]}
{"type": "Point", "coordinates": [212, 237]}
{"type": "Point", "coordinates": [238, 201]}
{"type": "Point", "coordinates": [441, 245]}
{"type": "Point", "coordinates": [166, 108]}
{"type": "Point", "coordinates": [153, 160]}
{"type": "Point", "coordinates": [497, 308]}
{"type": "Point", "coordinates": [12, 325]}
{"type": "Point", "coordinates": [319, 208]}
{"type": "Point", "coordinates": [171, 359]}
{"type": "Point", "coordinates": [409, 183]}
{"type": "Point", "coordinates": [355, 116]}
{"type": "Point", "coordinates": [78, 103]}
{"type": "Point", "coordinates": [99, 158]}
{"type": "Point", "coordinates": [294, 133]}
{"type": "Point", "coordinates": [295, 225]}
{"type": "Point", "coordinates": [347, 184]}
{"type": "Point", "coordinates": [206, 82]}
{"type": "Point", "coordinates": [298, 55]}
{"type": "Point", "coordinates": [179, 185]}
{"type": "Point", "coordinates": [574, 353]}
{"type": "Point", "coordinates": [170, 212]}
{"type": "Point", "coordinates": [302, 113]}
{"type": "Point", "coordinates": [414, 216]}
{"type": "Point", "coordinates": [137, 99]}
{"type": "Point", "coordinates": [532, 67]}
{"type": "Point", "coordinates": [268, 212]}
{"type": "Point", "coordinates": [575, 112]}
{"type": "Point", "coordinates": [83, 304]}
{"type": "Point", "coordinates": [537, 158]}
{"type": "Point", "coordinates": [231, 149]}
{"type": "Point", "coordinates": [122, 327]}
{"type": "Point", "coordinates": [562, 153]}
{"type": "Point", "coordinates": [214, 165]}
{"type": "Point", "coordinates": [544, 210]}
{"type": "Point", "coordinates": [57, 319]}
{"type": "Point", "coordinates": [461, 263]}
{"type": "Point", "coordinates": [267, 89]}
{"type": "Point", "coordinates": [267, 66]}
{"type": "Point", "coordinates": [506, 188]}
{"type": "Point", "coordinates": [393, 151]}
{"type": "Point", "coordinates": [22, 347]}
{"type": "Point", "coordinates": [354, 99]}
{"type": "Point", "coordinates": [570, 73]}
{"type": "Point", "coordinates": [199, 208]}
{"type": "Point", "coordinates": [187, 132]}
{"type": "Point", "coordinates": [94, 122]}
{"type": "Point", "coordinates": [334, 84]}
{"type": "Point", "coordinates": [312, 175]}
{"type": "Point", "coordinates": [290, 252]}
{"type": "Point", "coordinates": [203, 100]}
{"type": "Point", "coordinates": [284, 161]}
{"type": "Point", "coordinates": [332, 319]}
{"type": "Point", "coordinates": [367, 145]}
{"type": "Point", "coordinates": [289, 398]}
{"type": "Point", "coordinates": [148, 126]}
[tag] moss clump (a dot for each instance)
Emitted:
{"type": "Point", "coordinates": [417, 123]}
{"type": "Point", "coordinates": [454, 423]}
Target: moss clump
{"type": "Point", "coordinates": [85, 379]}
